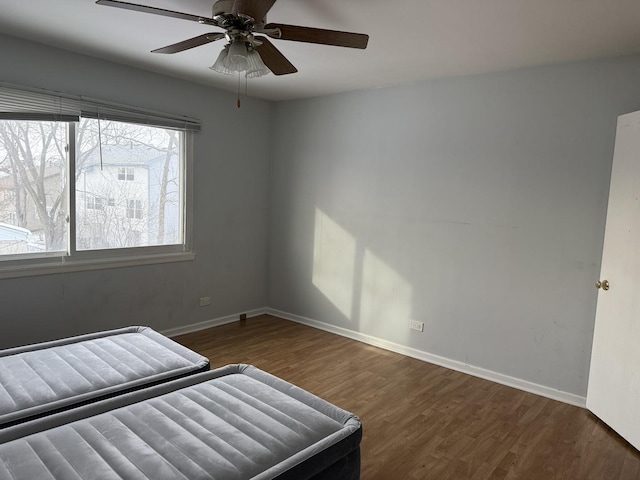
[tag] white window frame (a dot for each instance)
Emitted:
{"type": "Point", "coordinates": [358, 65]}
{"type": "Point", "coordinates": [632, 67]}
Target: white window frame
{"type": "Point", "coordinates": [72, 260]}
{"type": "Point", "coordinates": [127, 173]}
{"type": "Point", "coordinates": [134, 211]}
{"type": "Point", "coordinates": [95, 203]}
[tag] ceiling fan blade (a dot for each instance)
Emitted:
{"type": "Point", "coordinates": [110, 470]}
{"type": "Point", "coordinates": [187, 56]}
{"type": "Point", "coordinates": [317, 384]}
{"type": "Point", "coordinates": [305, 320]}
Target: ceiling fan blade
{"type": "Point", "coordinates": [319, 35]}
{"type": "Point", "coordinates": [154, 10]}
{"type": "Point", "coordinates": [274, 59]}
{"type": "Point", "coordinates": [191, 43]}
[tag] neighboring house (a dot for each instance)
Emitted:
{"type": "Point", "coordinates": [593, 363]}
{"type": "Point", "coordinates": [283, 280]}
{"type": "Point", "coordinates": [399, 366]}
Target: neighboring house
{"type": "Point", "coordinates": [118, 199]}
{"type": "Point", "coordinates": [17, 207]}
{"type": "Point", "coordinates": [13, 240]}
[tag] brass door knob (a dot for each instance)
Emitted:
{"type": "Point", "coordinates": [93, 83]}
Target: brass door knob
{"type": "Point", "coordinates": [604, 284]}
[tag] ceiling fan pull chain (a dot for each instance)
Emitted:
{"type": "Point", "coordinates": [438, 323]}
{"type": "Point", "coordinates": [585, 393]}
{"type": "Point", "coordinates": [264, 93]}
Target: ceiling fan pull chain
{"type": "Point", "coordinates": [246, 87]}
{"type": "Point", "coordinates": [238, 102]}
{"type": "Point", "coordinates": [100, 140]}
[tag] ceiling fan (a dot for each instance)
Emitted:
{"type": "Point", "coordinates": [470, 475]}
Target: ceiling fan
{"type": "Point", "coordinates": [240, 20]}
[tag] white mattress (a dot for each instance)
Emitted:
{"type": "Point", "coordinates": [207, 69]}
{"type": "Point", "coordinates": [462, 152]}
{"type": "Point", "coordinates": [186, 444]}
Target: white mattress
{"type": "Point", "coordinates": [236, 422]}
{"type": "Point", "coordinates": [42, 378]}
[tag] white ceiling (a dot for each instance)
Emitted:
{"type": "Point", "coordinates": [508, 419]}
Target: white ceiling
{"type": "Point", "coordinates": [410, 40]}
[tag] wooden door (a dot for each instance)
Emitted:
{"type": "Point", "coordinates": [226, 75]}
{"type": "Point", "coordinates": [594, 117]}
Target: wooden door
{"type": "Point", "coordinates": [614, 378]}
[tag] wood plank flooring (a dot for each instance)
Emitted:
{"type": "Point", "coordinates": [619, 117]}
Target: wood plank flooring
{"type": "Point", "coordinates": [421, 421]}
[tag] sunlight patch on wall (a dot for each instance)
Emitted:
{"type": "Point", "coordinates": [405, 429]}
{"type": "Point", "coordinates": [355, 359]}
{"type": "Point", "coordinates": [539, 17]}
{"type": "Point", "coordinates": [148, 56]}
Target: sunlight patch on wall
{"type": "Point", "coordinates": [333, 262]}
{"type": "Point", "coordinates": [386, 299]}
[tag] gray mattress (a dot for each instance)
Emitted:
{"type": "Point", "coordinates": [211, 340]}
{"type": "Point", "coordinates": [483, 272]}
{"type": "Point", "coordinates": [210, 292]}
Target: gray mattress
{"type": "Point", "coordinates": [40, 379]}
{"type": "Point", "coordinates": [235, 422]}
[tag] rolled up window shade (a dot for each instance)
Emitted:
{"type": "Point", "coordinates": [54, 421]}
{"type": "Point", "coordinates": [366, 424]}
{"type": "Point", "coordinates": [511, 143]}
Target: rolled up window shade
{"type": "Point", "coordinates": [23, 103]}
{"type": "Point", "coordinates": [18, 104]}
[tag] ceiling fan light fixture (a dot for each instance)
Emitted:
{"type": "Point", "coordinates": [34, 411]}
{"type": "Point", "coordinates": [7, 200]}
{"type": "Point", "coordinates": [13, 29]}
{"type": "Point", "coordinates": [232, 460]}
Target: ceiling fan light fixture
{"type": "Point", "coordinates": [220, 64]}
{"type": "Point", "coordinates": [237, 57]}
{"type": "Point", "coordinates": [253, 67]}
{"type": "Point", "coordinates": [256, 67]}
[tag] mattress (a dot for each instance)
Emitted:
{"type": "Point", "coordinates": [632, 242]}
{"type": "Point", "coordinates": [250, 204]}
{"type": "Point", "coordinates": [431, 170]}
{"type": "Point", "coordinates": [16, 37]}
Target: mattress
{"type": "Point", "coordinates": [236, 422]}
{"type": "Point", "coordinates": [40, 379]}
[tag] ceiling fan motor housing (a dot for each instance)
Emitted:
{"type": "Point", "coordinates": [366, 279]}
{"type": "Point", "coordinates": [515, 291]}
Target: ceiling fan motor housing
{"type": "Point", "coordinates": [231, 13]}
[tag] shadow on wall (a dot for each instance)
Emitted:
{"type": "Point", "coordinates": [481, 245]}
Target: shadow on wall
{"type": "Point", "coordinates": [366, 290]}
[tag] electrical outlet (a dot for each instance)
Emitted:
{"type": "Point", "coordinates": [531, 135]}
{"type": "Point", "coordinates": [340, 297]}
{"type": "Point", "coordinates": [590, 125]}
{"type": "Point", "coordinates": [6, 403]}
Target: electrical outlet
{"type": "Point", "coordinates": [416, 325]}
{"type": "Point", "coordinates": [204, 301]}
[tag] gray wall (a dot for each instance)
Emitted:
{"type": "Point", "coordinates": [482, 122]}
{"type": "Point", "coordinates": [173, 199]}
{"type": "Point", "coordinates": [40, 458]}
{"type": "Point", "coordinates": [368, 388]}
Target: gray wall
{"type": "Point", "coordinates": [230, 197]}
{"type": "Point", "coordinates": [475, 205]}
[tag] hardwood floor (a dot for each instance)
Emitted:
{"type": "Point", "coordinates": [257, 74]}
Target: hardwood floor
{"type": "Point", "coordinates": [421, 421]}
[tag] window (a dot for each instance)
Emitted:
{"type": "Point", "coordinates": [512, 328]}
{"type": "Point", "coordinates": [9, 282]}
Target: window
{"type": "Point", "coordinates": [33, 169]}
{"type": "Point", "coordinates": [94, 203]}
{"type": "Point", "coordinates": [125, 173]}
{"type": "Point", "coordinates": [135, 209]}
{"type": "Point", "coordinates": [97, 192]}
{"type": "Point", "coordinates": [155, 175]}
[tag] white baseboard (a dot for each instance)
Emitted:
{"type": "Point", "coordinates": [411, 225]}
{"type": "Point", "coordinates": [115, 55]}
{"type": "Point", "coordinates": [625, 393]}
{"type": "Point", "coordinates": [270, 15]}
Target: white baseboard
{"type": "Point", "coordinates": [195, 327]}
{"type": "Point", "coordinates": [490, 375]}
{"type": "Point", "coordinates": [507, 380]}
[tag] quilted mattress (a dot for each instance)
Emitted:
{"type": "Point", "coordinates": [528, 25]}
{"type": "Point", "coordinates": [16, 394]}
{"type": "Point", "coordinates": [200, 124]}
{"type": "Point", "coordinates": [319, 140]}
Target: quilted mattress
{"type": "Point", "coordinates": [235, 422]}
{"type": "Point", "coordinates": [39, 379]}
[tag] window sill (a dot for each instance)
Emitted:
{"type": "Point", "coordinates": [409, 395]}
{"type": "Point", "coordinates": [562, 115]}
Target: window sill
{"type": "Point", "coordinates": [59, 265]}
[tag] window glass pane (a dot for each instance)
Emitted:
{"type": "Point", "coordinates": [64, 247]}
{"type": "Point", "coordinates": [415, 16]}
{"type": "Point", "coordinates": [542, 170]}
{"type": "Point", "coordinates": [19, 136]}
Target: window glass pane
{"type": "Point", "coordinates": [33, 204]}
{"type": "Point", "coordinates": [127, 185]}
